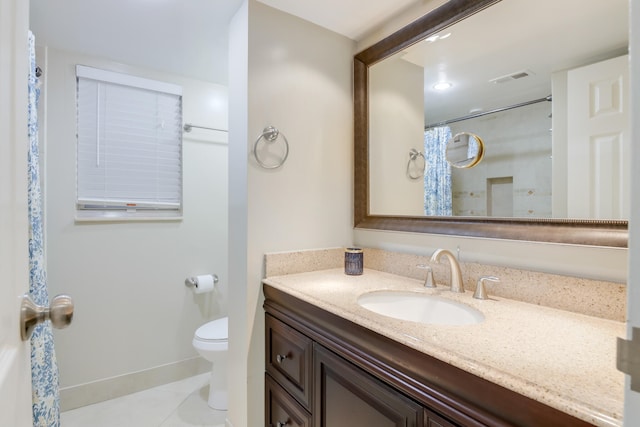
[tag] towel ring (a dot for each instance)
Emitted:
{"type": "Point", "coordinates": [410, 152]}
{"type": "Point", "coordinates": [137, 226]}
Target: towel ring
{"type": "Point", "coordinates": [270, 134]}
{"type": "Point", "coordinates": [413, 156]}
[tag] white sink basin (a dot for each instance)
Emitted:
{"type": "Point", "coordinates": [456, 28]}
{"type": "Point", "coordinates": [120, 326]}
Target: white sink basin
{"type": "Point", "coordinates": [422, 308]}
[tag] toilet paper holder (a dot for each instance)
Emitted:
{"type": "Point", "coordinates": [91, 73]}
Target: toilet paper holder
{"type": "Point", "coordinates": [193, 281]}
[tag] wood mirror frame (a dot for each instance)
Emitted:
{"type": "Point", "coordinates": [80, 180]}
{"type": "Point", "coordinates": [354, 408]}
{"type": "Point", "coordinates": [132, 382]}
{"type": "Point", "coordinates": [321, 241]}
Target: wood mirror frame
{"type": "Point", "coordinates": [610, 233]}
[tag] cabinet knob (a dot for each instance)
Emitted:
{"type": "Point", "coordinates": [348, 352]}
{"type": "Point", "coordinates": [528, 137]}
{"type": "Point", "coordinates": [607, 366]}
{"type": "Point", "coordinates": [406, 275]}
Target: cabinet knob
{"type": "Point", "coordinates": [280, 358]}
{"type": "Point", "coordinates": [282, 424]}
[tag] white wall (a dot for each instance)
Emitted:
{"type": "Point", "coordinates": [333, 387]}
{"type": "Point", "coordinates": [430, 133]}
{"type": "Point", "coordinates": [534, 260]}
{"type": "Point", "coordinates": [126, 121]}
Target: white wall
{"type": "Point", "coordinates": [133, 311]}
{"type": "Point", "coordinates": [297, 77]}
{"type": "Point", "coordinates": [241, 316]}
{"type": "Point", "coordinates": [396, 109]}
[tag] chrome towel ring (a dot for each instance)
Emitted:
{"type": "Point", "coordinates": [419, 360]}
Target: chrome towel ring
{"type": "Point", "coordinates": [270, 134]}
{"type": "Point", "coordinates": [413, 157]}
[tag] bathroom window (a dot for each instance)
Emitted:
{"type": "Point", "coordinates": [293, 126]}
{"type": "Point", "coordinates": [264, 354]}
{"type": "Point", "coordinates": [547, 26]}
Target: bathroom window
{"type": "Point", "coordinates": [129, 151]}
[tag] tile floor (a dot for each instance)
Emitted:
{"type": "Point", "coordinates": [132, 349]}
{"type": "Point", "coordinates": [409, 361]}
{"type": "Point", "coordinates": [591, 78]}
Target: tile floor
{"type": "Point", "coordinates": [179, 404]}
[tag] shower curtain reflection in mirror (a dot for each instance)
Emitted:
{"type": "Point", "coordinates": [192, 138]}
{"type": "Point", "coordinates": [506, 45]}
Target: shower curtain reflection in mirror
{"type": "Point", "coordinates": [437, 175]}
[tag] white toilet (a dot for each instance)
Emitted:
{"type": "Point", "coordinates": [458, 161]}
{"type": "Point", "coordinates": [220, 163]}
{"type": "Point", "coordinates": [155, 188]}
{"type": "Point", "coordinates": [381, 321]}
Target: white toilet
{"type": "Point", "coordinates": [211, 340]}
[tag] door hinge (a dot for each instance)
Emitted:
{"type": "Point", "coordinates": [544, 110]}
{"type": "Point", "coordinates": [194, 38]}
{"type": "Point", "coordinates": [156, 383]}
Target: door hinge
{"type": "Point", "coordinates": [628, 358]}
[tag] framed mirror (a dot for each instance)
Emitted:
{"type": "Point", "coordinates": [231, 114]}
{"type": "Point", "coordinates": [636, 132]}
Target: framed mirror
{"type": "Point", "coordinates": [510, 72]}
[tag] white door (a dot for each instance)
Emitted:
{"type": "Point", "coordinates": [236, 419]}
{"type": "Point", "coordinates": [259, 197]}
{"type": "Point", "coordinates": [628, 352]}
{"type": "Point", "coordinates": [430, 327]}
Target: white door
{"type": "Point", "coordinates": [599, 140]}
{"type": "Point", "coordinates": [15, 365]}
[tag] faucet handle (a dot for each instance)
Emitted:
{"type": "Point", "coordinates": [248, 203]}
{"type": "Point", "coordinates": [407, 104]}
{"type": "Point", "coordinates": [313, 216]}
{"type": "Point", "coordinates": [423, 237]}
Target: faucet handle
{"type": "Point", "coordinates": [481, 292]}
{"type": "Point", "coordinates": [429, 282]}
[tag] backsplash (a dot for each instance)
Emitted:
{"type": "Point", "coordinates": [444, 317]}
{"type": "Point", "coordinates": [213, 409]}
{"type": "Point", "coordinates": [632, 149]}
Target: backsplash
{"type": "Point", "coordinates": [283, 263]}
{"type": "Point", "coordinates": [597, 298]}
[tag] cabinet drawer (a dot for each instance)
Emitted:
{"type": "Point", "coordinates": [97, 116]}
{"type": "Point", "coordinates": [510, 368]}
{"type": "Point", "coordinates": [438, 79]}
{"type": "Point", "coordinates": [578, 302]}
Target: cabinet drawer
{"type": "Point", "coordinates": [281, 409]}
{"type": "Point", "coordinates": [288, 359]}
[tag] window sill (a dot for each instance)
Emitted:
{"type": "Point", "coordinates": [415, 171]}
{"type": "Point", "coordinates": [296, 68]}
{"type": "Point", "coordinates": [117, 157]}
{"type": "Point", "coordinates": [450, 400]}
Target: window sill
{"type": "Point", "coordinates": [122, 216]}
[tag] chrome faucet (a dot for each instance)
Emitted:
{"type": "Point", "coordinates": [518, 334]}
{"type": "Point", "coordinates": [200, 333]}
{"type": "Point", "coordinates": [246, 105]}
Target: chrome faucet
{"type": "Point", "coordinates": [456, 274]}
{"type": "Point", "coordinates": [481, 291]}
{"type": "Point", "coordinates": [428, 281]}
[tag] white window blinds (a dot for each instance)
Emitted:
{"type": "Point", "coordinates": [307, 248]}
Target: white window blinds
{"type": "Point", "coordinates": [129, 152]}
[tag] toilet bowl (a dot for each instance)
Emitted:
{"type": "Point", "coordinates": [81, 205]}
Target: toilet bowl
{"type": "Point", "coordinates": [211, 340]}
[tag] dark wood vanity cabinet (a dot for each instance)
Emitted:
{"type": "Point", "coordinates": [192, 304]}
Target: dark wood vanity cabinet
{"type": "Point", "coordinates": [344, 395]}
{"type": "Point", "coordinates": [325, 371]}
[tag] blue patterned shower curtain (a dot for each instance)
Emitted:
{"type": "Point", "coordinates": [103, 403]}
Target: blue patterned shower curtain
{"type": "Point", "coordinates": [437, 175]}
{"type": "Point", "coordinates": [44, 369]}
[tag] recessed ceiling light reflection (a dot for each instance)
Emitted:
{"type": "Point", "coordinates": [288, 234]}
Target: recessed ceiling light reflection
{"type": "Point", "coordinates": [442, 86]}
{"type": "Point", "coordinates": [437, 37]}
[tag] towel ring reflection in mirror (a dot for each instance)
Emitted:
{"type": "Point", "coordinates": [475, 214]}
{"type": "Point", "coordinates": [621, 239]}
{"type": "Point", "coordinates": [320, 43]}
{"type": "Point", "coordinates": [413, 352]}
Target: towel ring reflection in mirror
{"type": "Point", "coordinates": [270, 135]}
{"type": "Point", "coordinates": [416, 172]}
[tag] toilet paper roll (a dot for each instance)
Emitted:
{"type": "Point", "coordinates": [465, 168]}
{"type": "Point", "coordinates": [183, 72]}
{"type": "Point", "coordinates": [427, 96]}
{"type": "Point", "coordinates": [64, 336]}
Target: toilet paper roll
{"type": "Point", "coordinates": [204, 284]}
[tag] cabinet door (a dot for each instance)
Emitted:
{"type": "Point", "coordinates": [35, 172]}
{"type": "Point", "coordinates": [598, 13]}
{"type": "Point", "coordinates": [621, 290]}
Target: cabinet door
{"type": "Point", "coordinates": [433, 420]}
{"type": "Point", "coordinates": [346, 396]}
{"type": "Point", "coordinates": [281, 409]}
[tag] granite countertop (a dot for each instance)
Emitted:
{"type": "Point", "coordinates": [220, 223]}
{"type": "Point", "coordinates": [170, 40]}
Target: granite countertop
{"type": "Point", "coordinates": [562, 359]}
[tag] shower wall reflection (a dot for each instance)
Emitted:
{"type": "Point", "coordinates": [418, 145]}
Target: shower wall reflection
{"type": "Point", "coordinates": [514, 178]}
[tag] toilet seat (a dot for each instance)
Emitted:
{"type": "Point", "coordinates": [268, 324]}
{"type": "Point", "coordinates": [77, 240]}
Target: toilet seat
{"type": "Point", "coordinates": [216, 330]}
{"type": "Point", "coordinates": [212, 337]}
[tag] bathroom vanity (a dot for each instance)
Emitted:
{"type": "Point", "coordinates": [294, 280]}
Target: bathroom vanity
{"type": "Point", "coordinates": [330, 362]}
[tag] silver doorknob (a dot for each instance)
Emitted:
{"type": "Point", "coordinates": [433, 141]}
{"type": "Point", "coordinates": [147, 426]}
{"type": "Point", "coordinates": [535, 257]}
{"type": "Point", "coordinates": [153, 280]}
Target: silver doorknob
{"type": "Point", "coordinates": [60, 312]}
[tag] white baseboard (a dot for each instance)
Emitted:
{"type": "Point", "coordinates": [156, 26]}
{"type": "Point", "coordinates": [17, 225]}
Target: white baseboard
{"type": "Point", "coordinates": [110, 388]}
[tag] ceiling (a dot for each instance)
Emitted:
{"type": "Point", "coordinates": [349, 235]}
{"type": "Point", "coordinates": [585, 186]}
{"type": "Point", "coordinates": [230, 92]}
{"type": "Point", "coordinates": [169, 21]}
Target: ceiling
{"type": "Point", "coordinates": [182, 37]}
{"type": "Point", "coordinates": [351, 18]}
{"type": "Point", "coordinates": [536, 37]}
{"type": "Point", "coordinates": [190, 38]}
{"type": "Point", "coordinates": [165, 35]}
